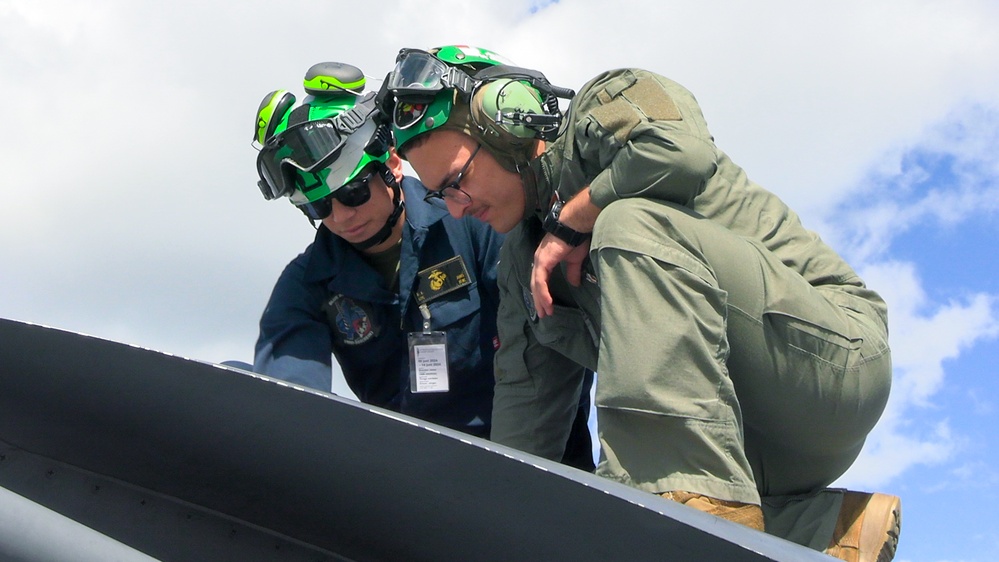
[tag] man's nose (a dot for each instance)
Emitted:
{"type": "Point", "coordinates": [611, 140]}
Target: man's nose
{"type": "Point", "coordinates": [341, 211]}
{"type": "Point", "coordinates": [456, 208]}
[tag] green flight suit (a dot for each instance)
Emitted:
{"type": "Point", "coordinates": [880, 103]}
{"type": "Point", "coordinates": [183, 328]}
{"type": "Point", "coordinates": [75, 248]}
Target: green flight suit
{"type": "Point", "coordinates": [737, 355]}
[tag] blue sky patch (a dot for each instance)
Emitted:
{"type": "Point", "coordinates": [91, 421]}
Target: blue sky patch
{"type": "Point", "coordinates": [538, 5]}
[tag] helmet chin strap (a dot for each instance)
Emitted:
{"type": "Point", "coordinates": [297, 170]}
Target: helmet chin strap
{"type": "Point", "coordinates": [529, 173]}
{"type": "Point", "coordinates": [383, 234]}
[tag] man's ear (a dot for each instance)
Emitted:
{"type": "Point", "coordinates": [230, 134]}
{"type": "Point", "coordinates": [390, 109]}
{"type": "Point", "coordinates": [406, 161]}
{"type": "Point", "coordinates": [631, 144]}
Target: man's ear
{"type": "Point", "coordinates": [394, 163]}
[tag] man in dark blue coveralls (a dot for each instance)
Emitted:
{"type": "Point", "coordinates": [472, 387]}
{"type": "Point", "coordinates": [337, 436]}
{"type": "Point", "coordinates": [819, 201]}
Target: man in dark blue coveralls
{"type": "Point", "coordinates": [381, 274]}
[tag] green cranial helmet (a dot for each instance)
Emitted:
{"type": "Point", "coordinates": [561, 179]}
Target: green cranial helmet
{"type": "Point", "coordinates": [505, 108]}
{"type": "Point", "coordinates": [414, 117]}
{"type": "Point", "coordinates": [469, 59]}
{"type": "Point", "coordinates": [355, 156]}
{"type": "Point", "coordinates": [331, 133]}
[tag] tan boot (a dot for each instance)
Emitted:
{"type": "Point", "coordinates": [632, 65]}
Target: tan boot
{"type": "Point", "coordinates": [744, 513]}
{"type": "Point", "coordinates": [868, 528]}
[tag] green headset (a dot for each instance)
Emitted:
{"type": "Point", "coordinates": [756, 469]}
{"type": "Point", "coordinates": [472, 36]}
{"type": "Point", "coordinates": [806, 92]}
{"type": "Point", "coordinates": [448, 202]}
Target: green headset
{"type": "Point", "coordinates": [334, 78]}
{"type": "Point", "coordinates": [272, 110]}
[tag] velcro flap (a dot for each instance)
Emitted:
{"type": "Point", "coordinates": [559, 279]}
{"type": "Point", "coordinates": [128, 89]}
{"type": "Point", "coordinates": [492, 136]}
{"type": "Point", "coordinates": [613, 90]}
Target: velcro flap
{"type": "Point", "coordinates": [619, 116]}
{"type": "Point", "coordinates": [651, 98]}
{"type": "Point", "coordinates": [643, 100]}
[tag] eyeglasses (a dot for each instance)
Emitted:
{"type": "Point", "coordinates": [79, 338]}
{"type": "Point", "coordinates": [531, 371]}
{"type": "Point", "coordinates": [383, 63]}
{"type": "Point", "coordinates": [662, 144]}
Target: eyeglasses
{"type": "Point", "coordinates": [352, 194]}
{"type": "Point", "coordinates": [452, 191]}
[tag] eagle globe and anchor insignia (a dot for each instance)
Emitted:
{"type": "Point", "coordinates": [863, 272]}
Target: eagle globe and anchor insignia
{"type": "Point", "coordinates": [437, 279]}
{"type": "Point", "coordinates": [441, 279]}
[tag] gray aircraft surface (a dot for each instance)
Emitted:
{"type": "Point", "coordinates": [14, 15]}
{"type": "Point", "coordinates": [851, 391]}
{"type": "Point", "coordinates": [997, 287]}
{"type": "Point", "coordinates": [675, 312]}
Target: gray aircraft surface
{"type": "Point", "coordinates": [114, 452]}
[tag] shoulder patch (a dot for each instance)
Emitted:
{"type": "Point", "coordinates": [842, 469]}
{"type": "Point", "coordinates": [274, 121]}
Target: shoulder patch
{"type": "Point", "coordinates": [644, 100]}
{"type": "Point", "coordinates": [651, 98]}
{"type": "Point", "coordinates": [619, 117]}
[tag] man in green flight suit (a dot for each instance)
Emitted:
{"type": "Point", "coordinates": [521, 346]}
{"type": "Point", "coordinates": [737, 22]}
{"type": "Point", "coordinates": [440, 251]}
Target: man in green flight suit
{"type": "Point", "coordinates": [741, 362]}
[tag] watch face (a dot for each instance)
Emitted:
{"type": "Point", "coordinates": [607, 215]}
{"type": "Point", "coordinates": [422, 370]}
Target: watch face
{"type": "Point", "coordinates": [551, 219]}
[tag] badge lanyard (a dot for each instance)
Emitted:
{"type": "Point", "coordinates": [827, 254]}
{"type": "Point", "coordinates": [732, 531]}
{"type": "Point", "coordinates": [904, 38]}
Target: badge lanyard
{"type": "Point", "coordinates": [428, 368]}
{"type": "Point", "coordinates": [428, 358]}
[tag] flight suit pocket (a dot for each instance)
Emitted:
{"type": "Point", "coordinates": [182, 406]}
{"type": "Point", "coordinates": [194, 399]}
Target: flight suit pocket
{"type": "Point", "coordinates": [452, 308]}
{"type": "Point", "coordinates": [456, 314]}
{"type": "Point", "coordinates": [568, 331]}
{"type": "Point", "coordinates": [816, 356]}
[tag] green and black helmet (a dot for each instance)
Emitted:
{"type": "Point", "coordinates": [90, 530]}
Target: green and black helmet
{"type": "Point", "coordinates": [475, 91]}
{"type": "Point", "coordinates": [421, 105]}
{"type": "Point", "coordinates": [311, 150]}
{"type": "Point", "coordinates": [328, 147]}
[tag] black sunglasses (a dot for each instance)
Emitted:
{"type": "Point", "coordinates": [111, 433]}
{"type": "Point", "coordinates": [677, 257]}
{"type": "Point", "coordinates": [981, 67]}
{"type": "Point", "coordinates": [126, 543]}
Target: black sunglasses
{"type": "Point", "coordinates": [352, 194]}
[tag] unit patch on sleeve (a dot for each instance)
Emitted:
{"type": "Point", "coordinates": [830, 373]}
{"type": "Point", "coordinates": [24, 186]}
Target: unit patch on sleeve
{"type": "Point", "coordinates": [441, 279]}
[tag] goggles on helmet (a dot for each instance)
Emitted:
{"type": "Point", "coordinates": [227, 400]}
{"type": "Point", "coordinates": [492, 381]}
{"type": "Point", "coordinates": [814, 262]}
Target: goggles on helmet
{"type": "Point", "coordinates": [306, 147]}
{"type": "Point", "coordinates": [415, 82]}
{"type": "Point", "coordinates": [352, 194]}
{"type": "Point", "coordinates": [419, 75]}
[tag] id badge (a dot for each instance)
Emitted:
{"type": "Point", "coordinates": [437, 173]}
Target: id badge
{"type": "Point", "coordinates": [428, 362]}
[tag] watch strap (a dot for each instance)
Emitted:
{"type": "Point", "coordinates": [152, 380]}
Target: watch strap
{"type": "Point", "coordinates": [553, 226]}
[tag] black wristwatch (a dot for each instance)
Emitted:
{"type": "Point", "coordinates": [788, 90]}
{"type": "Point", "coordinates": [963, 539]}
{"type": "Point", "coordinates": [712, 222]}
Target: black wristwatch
{"type": "Point", "coordinates": [552, 225]}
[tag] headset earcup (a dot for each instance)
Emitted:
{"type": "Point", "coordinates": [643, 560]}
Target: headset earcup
{"type": "Point", "coordinates": [271, 111]}
{"type": "Point", "coordinates": [281, 107]}
{"type": "Point", "coordinates": [505, 96]}
{"type": "Point", "coordinates": [333, 78]}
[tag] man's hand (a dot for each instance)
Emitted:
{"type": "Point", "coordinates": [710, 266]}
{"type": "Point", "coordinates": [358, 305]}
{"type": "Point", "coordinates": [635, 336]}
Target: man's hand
{"type": "Point", "coordinates": [579, 214]}
{"type": "Point", "coordinates": [551, 252]}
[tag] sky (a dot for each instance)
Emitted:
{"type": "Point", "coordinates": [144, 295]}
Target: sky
{"type": "Point", "coordinates": [130, 210]}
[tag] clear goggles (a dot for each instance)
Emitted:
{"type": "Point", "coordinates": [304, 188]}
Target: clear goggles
{"type": "Point", "coordinates": [419, 75]}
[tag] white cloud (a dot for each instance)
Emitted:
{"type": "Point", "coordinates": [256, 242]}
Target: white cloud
{"type": "Point", "coordinates": [923, 340]}
{"type": "Point", "coordinates": [924, 336]}
{"type": "Point", "coordinates": [950, 175]}
{"type": "Point", "coordinates": [890, 451]}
